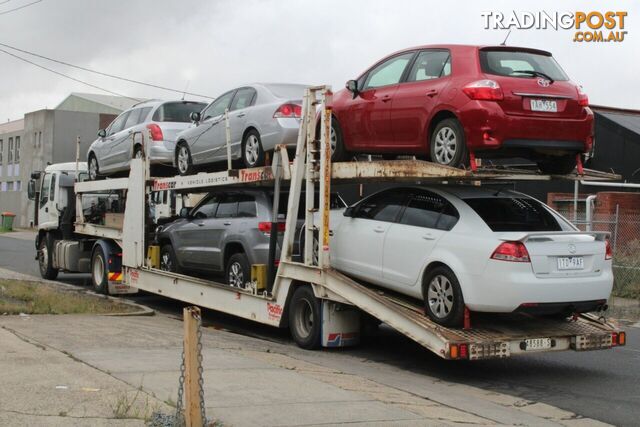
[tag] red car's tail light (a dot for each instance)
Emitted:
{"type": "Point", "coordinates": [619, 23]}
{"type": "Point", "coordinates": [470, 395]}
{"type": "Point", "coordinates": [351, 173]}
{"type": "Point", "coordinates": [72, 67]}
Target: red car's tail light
{"type": "Point", "coordinates": [608, 252]}
{"type": "Point", "coordinates": [265, 227]}
{"type": "Point", "coordinates": [288, 110]}
{"type": "Point", "coordinates": [155, 131]}
{"type": "Point", "coordinates": [484, 90]}
{"type": "Point", "coordinates": [511, 251]}
{"type": "Point", "coordinates": [583, 99]}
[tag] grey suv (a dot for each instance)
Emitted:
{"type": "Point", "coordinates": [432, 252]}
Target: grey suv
{"type": "Point", "coordinates": [226, 232]}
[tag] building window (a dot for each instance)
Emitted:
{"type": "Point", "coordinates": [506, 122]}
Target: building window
{"type": "Point", "coordinates": [17, 154]}
{"type": "Point", "coordinates": [3, 186]}
{"type": "Point", "coordinates": [10, 154]}
{"type": "Point", "coordinates": [9, 185]}
{"type": "Point", "coordinates": [17, 185]}
{"type": "Point", "coordinates": [1, 150]}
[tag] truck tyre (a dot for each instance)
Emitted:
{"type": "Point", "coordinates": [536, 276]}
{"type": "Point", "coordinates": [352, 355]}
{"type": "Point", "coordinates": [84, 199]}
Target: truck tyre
{"type": "Point", "coordinates": [45, 258]}
{"type": "Point", "coordinates": [99, 271]}
{"type": "Point", "coordinates": [305, 318]}
{"type": "Point", "coordinates": [238, 270]}
{"type": "Point", "coordinates": [448, 145]}
{"type": "Point", "coordinates": [168, 259]}
{"type": "Point", "coordinates": [443, 299]}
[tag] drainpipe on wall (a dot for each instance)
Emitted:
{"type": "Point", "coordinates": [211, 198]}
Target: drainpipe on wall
{"type": "Point", "coordinates": [589, 211]}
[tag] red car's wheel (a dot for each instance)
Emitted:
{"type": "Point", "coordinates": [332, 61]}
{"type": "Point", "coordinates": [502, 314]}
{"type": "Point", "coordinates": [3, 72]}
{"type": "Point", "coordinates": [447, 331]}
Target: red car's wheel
{"type": "Point", "coordinates": [448, 145]}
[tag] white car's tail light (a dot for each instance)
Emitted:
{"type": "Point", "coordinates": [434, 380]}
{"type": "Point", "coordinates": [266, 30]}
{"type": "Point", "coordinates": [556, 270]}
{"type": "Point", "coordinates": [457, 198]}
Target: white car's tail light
{"type": "Point", "coordinates": [155, 131]}
{"type": "Point", "coordinates": [511, 251]}
{"type": "Point", "coordinates": [484, 90]}
{"type": "Point", "coordinates": [608, 253]}
{"type": "Point", "coordinates": [288, 110]}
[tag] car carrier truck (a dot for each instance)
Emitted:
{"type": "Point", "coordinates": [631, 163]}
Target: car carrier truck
{"type": "Point", "coordinates": [105, 228]}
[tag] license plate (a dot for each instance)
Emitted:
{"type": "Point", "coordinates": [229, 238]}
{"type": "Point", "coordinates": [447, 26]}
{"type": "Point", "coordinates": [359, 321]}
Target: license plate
{"type": "Point", "coordinates": [544, 105]}
{"type": "Point", "coordinates": [571, 263]}
{"type": "Point", "coordinates": [537, 343]}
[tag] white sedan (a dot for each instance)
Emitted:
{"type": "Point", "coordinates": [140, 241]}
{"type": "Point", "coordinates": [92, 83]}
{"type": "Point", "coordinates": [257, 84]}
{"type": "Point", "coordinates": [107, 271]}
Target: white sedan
{"type": "Point", "coordinates": [488, 249]}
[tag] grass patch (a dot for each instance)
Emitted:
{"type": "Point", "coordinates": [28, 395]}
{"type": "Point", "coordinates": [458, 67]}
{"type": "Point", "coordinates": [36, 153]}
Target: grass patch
{"type": "Point", "coordinates": [19, 296]}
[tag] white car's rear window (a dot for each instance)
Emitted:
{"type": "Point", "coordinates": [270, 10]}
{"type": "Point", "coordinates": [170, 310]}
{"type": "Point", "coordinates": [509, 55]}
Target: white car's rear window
{"type": "Point", "coordinates": [514, 214]}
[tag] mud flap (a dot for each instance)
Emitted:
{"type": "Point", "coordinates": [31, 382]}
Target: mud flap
{"type": "Point", "coordinates": [340, 325]}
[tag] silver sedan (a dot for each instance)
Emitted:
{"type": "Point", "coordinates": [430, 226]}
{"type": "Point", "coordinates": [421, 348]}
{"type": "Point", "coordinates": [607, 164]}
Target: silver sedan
{"type": "Point", "coordinates": [261, 116]}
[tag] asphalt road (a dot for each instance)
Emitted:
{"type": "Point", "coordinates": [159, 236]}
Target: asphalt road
{"type": "Point", "coordinates": [602, 385]}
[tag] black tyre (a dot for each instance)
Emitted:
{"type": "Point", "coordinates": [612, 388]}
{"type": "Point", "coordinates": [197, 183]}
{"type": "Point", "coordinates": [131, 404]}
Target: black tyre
{"type": "Point", "coordinates": [252, 152]}
{"type": "Point", "coordinates": [443, 299]}
{"type": "Point", "coordinates": [558, 165]}
{"type": "Point", "coordinates": [99, 271]}
{"type": "Point", "coordinates": [238, 271]}
{"type": "Point", "coordinates": [93, 168]}
{"type": "Point", "coordinates": [45, 258]}
{"type": "Point", "coordinates": [184, 162]}
{"type": "Point", "coordinates": [448, 145]}
{"type": "Point", "coordinates": [304, 318]}
{"type": "Point", "coordinates": [168, 259]}
{"type": "Point", "coordinates": [338, 151]}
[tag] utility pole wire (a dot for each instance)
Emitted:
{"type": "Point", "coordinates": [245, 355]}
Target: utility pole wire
{"type": "Point", "coordinates": [106, 74]}
{"type": "Point", "coordinates": [18, 8]}
{"type": "Point", "coordinates": [69, 77]}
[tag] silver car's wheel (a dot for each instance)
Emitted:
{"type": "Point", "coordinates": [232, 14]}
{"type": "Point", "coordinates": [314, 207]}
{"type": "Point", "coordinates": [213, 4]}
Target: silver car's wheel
{"type": "Point", "coordinates": [446, 145]}
{"type": "Point", "coordinates": [252, 151]}
{"type": "Point", "coordinates": [183, 160]}
{"type": "Point", "coordinates": [440, 296]}
{"type": "Point", "coordinates": [236, 275]}
{"type": "Point", "coordinates": [238, 270]}
{"type": "Point", "coordinates": [93, 168]}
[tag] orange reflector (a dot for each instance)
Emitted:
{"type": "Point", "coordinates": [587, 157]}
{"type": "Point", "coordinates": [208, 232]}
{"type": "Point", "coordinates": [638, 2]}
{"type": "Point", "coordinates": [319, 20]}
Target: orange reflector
{"type": "Point", "coordinates": [622, 338]}
{"type": "Point", "coordinates": [453, 351]}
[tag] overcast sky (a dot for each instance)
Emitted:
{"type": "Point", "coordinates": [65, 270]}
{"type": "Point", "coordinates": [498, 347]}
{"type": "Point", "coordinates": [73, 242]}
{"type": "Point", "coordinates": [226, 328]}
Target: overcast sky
{"type": "Point", "coordinates": [217, 45]}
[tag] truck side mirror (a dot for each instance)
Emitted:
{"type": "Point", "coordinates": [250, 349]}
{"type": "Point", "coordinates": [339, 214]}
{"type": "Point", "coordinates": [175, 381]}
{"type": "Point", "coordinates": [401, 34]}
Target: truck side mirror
{"type": "Point", "coordinates": [184, 212]}
{"type": "Point", "coordinates": [31, 189]}
{"type": "Point", "coordinates": [102, 133]}
{"type": "Point", "coordinates": [195, 116]}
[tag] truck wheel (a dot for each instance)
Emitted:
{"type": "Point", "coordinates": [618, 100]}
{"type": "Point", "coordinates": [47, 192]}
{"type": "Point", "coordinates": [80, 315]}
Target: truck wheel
{"type": "Point", "coordinates": [304, 318]}
{"type": "Point", "coordinates": [99, 271]}
{"type": "Point", "coordinates": [238, 270]}
{"type": "Point", "coordinates": [168, 260]}
{"type": "Point", "coordinates": [443, 299]}
{"type": "Point", "coordinates": [45, 258]}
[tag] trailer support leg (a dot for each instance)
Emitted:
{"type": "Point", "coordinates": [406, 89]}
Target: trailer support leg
{"type": "Point", "coordinates": [472, 161]}
{"type": "Point", "coordinates": [467, 318]}
{"type": "Point", "coordinates": [579, 166]}
{"type": "Point", "coordinates": [193, 410]}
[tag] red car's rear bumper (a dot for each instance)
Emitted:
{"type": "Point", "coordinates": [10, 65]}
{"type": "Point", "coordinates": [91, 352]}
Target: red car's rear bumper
{"type": "Point", "coordinates": [488, 128]}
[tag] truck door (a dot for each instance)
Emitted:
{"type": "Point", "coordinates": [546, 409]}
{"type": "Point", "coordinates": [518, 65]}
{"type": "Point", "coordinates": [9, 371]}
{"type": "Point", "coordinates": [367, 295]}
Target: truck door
{"type": "Point", "coordinates": [47, 212]}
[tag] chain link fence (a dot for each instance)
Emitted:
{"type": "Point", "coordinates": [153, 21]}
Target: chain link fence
{"type": "Point", "coordinates": [625, 243]}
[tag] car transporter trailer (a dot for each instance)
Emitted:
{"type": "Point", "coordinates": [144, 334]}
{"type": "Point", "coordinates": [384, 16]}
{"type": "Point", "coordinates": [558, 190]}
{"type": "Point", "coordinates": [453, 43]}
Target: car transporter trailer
{"type": "Point", "coordinates": [321, 306]}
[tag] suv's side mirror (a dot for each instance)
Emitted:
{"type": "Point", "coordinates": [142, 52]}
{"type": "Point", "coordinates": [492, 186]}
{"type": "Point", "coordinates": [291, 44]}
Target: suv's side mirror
{"type": "Point", "coordinates": [102, 133]}
{"type": "Point", "coordinates": [348, 212]}
{"type": "Point", "coordinates": [184, 212]}
{"type": "Point", "coordinates": [352, 86]}
{"type": "Point", "coordinates": [31, 189]}
{"type": "Point", "coordinates": [195, 116]}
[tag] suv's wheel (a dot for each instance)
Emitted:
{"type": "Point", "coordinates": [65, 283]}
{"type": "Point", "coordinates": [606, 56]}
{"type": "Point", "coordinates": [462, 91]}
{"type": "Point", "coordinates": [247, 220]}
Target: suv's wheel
{"type": "Point", "coordinates": [557, 165]}
{"type": "Point", "coordinates": [45, 258]}
{"type": "Point", "coordinates": [304, 318]}
{"type": "Point", "coordinates": [443, 299]}
{"type": "Point", "coordinates": [448, 146]}
{"type": "Point", "coordinates": [184, 162]}
{"type": "Point", "coordinates": [238, 270]}
{"type": "Point", "coordinates": [99, 271]}
{"type": "Point", "coordinates": [168, 259]}
{"type": "Point", "coordinates": [252, 152]}
{"type": "Point", "coordinates": [94, 170]}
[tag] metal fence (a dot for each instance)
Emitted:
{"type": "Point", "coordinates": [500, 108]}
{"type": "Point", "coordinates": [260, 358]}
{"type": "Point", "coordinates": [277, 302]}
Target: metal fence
{"type": "Point", "coordinates": [625, 243]}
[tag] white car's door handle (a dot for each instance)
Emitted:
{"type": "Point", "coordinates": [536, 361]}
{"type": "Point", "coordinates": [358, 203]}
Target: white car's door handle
{"type": "Point", "coordinates": [428, 237]}
{"type": "Point", "coordinates": [379, 230]}
{"type": "Point", "coordinates": [241, 115]}
{"type": "Point", "coordinates": [227, 223]}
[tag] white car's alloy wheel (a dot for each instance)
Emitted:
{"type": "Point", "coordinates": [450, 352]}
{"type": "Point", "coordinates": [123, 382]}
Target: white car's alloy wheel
{"type": "Point", "coordinates": [183, 159]}
{"type": "Point", "coordinates": [333, 139]}
{"type": "Point", "coordinates": [440, 296]}
{"type": "Point", "coordinates": [252, 149]}
{"type": "Point", "coordinates": [446, 145]}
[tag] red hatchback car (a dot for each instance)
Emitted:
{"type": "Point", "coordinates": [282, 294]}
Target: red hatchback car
{"type": "Point", "coordinates": [446, 101]}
